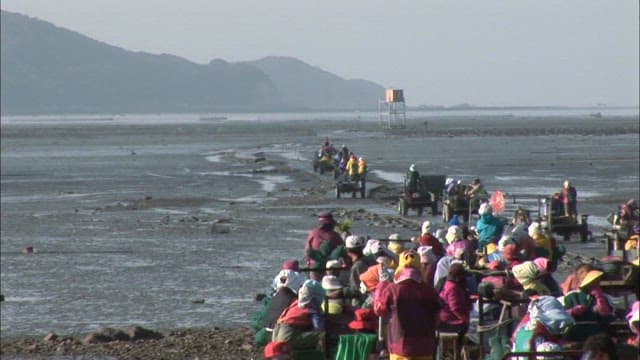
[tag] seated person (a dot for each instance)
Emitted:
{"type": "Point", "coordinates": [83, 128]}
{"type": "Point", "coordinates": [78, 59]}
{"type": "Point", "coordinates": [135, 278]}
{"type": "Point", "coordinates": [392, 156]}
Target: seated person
{"type": "Point", "coordinates": [301, 325]}
{"type": "Point", "coordinates": [455, 313]}
{"type": "Point", "coordinates": [488, 227]}
{"type": "Point", "coordinates": [527, 275]}
{"type": "Point", "coordinates": [588, 304]}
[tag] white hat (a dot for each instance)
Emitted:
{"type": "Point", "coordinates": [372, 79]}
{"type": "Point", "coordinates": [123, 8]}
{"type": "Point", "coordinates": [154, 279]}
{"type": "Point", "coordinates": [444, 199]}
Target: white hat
{"type": "Point", "coordinates": [334, 264]}
{"type": "Point", "coordinates": [412, 167]}
{"type": "Point", "coordinates": [331, 282]}
{"type": "Point", "coordinates": [454, 232]}
{"type": "Point", "coordinates": [426, 227]}
{"type": "Point", "coordinates": [426, 254]}
{"type": "Point", "coordinates": [353, 241]}
{"type": "Point", "coordinates": [534, 229]}
{"type": "Point", "coordinates": [372, 247]}
{"type": "Point", "coordinates": [448, 181]}
{"type": "Point", "coordinates": [485, 208]}
{"type": "Point", "coordinates": [394, 237]}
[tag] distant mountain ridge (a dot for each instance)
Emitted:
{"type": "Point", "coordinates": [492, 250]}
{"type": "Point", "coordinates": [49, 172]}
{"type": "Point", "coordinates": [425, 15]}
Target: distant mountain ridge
{"type": "Point", "coordinates": [47, 69]}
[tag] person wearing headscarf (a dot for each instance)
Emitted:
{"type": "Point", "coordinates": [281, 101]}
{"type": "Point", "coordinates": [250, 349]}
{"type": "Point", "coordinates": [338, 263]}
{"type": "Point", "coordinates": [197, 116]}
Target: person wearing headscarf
{"type": "Point", "coordinates": [360, 263]}
{"type": "Point", "coordinates": [455, 313]}
{"type": "Point", "coordinates": [588, 304]}
{"type": "Point", "coordinates": [458, 243]}
{"type": "Point", "coordinates": [323, 243]}
{"type": "Point", "coordinates": [408, 305]}
{"type": "Point", "coordinates": [301, 324]}
{"type": "Point", "coordinates": [288, 282]}
{"type": "Point", "coordinates": [633, 319]}
{"type": "Point", "coordinates": [527, 275]}
{"type": "Point", "coordinates": [544, 244]}
{"type": "Point", "coordinates": [352, 166]}
{"type": "Point", "coordinates": [427, 239]}
{"type": "Point", "coordinates": [544, 276]}
{"type": "Point", "coordinates": [362, 167]}
{"type": "Point", "coordinates": [574, 279]}
{"type": "Point", "coordinates": [428, 262]}
{"type": "Point", "coordinates": [488, 227]}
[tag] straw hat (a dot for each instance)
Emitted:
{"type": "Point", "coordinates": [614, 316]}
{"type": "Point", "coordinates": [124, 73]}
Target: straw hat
{"type": "Point", "coordinates": [591, 277]}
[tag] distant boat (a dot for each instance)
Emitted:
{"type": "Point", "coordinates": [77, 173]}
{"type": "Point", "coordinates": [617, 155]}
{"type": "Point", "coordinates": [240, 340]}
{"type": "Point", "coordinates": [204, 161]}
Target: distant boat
{"type": "Point", "coordinates": [596, 115]}
{"type": "Point", "coordinates": [212, 118]}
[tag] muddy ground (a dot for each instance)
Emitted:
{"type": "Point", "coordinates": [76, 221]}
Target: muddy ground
{"type": "Point", "coordinates": [178, 226]}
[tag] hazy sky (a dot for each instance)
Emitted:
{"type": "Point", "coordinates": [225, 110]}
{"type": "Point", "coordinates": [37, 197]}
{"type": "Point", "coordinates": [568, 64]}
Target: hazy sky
{"type": "Point", "coordinates": [483, 52]}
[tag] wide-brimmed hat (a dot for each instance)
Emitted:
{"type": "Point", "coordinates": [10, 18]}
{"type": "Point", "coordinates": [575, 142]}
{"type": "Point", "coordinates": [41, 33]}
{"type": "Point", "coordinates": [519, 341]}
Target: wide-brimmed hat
{"type": "Point", "coordinates": [276, 348]}
{"type": "Point", "coordinates": [591, 277]}
{"type": "Point", "coordinates": [331, 282]}
{"type": "Point", "coordinates": [365, 319]}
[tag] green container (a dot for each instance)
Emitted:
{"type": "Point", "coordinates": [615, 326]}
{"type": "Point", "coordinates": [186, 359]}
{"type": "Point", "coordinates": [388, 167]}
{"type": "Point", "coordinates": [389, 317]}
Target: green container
{"type": "Point", "coordinates": [356, 346]}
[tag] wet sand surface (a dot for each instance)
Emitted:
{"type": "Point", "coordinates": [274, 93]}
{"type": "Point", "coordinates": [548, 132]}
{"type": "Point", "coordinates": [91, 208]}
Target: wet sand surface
{"type": "Point", "coordinates": [179, 225]}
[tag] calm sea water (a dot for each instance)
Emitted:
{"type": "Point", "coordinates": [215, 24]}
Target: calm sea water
{"type": "Point", "coordinates": [74, 188]}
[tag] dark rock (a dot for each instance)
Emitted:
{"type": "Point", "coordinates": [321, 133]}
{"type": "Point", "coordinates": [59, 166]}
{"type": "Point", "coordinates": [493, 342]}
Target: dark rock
{"type": "Point", "coordinates": [28, 250]}
{"type": "Point", "coordinates": [198, 301]}
{"type": "Point", "coordinates": [140, 333]}
{"type": "Point", "coordinates": [106, 335]}
{"type": "Point", "coordinates": [219, 228]}
{"type": "Point", "coordinates": [148, 198]}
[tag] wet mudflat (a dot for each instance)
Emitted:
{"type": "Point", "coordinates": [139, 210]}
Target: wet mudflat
{"type": "Point", "coordinates": [179, 225]}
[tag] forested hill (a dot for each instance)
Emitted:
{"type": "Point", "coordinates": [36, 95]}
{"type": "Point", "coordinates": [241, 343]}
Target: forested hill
{"type": "Point", "coordinates": [48, 69]}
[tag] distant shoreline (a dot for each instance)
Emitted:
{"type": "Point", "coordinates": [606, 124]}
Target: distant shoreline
{"type": "Point", "coordinates": [427, 108]}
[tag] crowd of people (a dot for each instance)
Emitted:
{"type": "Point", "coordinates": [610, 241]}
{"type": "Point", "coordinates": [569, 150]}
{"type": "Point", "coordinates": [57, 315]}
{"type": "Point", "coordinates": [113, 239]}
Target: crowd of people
{"type": "Point", "coordinates": [346, 163]}
{"type": "Point", "coordinates": [410, 291]}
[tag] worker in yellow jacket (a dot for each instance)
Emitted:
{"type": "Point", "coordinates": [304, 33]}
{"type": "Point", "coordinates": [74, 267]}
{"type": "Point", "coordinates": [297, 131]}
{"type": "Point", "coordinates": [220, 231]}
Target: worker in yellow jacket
{"type": "Point", "coordinates": [362, 167]}
{"type": "Point", "coordinates": [352, 166]}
